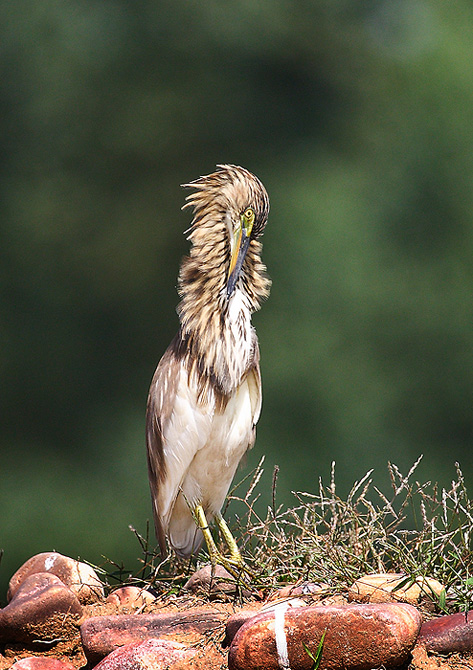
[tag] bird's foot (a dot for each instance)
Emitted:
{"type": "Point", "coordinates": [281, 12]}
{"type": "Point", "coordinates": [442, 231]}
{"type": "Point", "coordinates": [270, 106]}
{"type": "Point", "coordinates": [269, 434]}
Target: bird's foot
{"type": "Point", "coordinates": [234, 564]}
{"type": "Point", "coordinates": [235, 559]}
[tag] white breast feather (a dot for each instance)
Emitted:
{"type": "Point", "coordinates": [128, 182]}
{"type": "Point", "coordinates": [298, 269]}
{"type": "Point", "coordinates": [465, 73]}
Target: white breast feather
{"type": "Point", "coordinates": [236, 344]}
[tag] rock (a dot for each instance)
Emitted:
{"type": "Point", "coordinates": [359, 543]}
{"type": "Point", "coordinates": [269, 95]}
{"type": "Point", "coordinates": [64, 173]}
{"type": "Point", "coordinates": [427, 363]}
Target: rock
{"type": "Point", "coordinates": [42, 663]}
{"type": "Point", "coordinates": [79, 577]}
{"type": "Point", "coordinates": [388, 587]}
{"type": "Point", "coordinates": [236, 621]}
{"type": "Point", "coordinates": [42, 609]}
{"type": "Point", "coordinates": [130, 596]}
{"type": "Point", "coordinates": [215, 581]}
{"type": "Point", "coordinates": [103, 634]}
{"type": "Point", "coordinates": [447, 634]}
{"type": "Point", "coordinates": [157, 654]}
{"type": "Point", "coordinates": [304, 589]}
{"type": "Point", "coordinates": [356, 636]}
{"type": "Point", "coordinates": [152, 654]}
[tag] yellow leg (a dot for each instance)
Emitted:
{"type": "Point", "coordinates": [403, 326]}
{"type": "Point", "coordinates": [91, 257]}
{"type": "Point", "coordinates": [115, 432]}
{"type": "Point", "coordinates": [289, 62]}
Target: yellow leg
{"type": "Point", "coordinates": [235, 555]}
{"type": "Point", "coordinates": [234, 564]}
{"type": "Point", "coordinates": [204, 527]}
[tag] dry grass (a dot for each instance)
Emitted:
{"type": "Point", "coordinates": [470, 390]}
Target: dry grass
{"type": "Point", "coordinates": [417, 529]}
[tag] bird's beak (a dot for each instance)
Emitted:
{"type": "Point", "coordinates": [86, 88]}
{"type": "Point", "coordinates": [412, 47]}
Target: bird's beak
{"type": "Point", "coordinates": [240, 244]}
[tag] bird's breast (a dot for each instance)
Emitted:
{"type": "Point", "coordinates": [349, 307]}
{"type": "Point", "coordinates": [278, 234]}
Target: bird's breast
{"type": "Point", "coordinates": [235, 344]}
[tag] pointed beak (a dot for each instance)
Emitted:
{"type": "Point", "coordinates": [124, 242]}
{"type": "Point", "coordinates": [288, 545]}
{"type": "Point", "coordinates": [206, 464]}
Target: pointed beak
{"type": "Point", "coordinates": [240, 246]}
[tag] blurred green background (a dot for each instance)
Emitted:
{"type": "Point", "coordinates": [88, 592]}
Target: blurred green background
{"type": "Point", "coordinates": [358, 118]}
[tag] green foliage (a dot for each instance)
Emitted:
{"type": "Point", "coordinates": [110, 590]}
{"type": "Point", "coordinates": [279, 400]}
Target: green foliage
{"type": "Point", "coordinates": [356, 119]}
{"type": "Point", "coordinates": [317, 657]}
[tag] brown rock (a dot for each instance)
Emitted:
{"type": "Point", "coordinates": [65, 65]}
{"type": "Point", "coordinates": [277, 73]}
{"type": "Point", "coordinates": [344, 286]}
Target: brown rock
{"type": "Point", "coordinates": [214, 581]}
{"type": "Point", "coordinates": [356, 636]}
{"type": "Point", "coordinates": [236, 621]}
{"type": "Point", "coordinates": [42, 663]}
{"type": "Point", "coordinates": [152, 654]}
{"type": "Point", "coordinates": [130, 596]}
{"type": "Point", "coordinates": [102, 635]}
{"type": "Point", "coordinates": [389, 587]}
{"type": "Point", "coordinates": [79, 577]}
{"type": "Point", "coordinates": [42, 609]}
{"type": "Point", "coordinates": [447, 634]}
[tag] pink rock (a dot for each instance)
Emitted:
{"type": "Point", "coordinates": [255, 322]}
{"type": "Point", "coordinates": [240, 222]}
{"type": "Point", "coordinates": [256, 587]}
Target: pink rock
{"type": "Point", "coordinates": [42, 663]}
{"type": "Point", "coordinates": [42, 609]}
{"type": "Point", "coordinates": [356, 636]}
{"type": "Point", "coordinates": [447, 634]}
{"type": "Point", "coordinates": [130, 596]}
{"type": "Point", "coordinates": [79, 577]}
{"type": "Point", "coordinates": [153, 654]}
{"type": "Point", "coordinates": [103, 634]}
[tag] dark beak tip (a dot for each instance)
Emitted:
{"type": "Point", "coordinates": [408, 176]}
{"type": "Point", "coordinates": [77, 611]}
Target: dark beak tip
{"type": "Point", "coordinates": [230, 287]}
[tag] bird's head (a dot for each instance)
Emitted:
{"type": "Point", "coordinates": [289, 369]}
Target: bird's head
{"type": "Point", "coordinates": [231, 209]}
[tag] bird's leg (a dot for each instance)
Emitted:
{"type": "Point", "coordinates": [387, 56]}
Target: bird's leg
{"type": "Point", "coordinates": [236, 558]}
{"type": "Point", "coordinates": [234, 564]}
{"type": "Point", "coordinates": [204, 527]}
{"type": "Point", "coordinates": [235, 555]}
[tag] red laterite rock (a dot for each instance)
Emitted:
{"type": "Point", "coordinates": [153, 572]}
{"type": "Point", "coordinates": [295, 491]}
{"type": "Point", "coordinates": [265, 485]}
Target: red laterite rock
{"type": "Point", "coordinates": [79, 577]}
{"type": "Point", "coordinates": [42, 609]}
{"type": "Point", "coordinates": [447, 634]}
{"type": "Point", "coordinates": [356, 636]}
{"type": "Point", "coordinates": [153, 654]}
{"type": "Point", "coordinates": [103, 634]}
{"type": "Point", "coordinates": [42, 663]}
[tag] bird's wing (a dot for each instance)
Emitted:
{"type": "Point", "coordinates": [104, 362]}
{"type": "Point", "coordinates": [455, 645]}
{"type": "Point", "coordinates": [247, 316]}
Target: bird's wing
{"type": "Point", "coordinates": [159, 408]}
{"type": "Point", "coordinates": [177, 426]}
{"type": "Point", "coordinates": [254, 385]}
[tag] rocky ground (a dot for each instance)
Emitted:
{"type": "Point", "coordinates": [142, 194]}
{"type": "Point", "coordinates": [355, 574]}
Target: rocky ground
{"type": "Point", "coordinates": [58, 617]}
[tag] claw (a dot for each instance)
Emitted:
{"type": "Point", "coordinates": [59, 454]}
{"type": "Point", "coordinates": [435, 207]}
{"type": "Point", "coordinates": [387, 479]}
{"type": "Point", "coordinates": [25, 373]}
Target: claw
{"type": "Point", "coordinates": [234, 564]}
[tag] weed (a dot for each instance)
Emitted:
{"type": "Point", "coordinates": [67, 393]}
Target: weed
{"type": "Point", "coordinates": [317, 657]}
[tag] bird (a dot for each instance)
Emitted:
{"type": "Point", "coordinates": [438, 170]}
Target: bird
{"type": "Point", "coordinates": [205, 397]}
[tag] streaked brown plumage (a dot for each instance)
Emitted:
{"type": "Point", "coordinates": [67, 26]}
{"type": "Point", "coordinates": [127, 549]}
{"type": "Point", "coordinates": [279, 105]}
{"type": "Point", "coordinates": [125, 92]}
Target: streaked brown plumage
{"type": "Point", "coordinates": [205, 396]}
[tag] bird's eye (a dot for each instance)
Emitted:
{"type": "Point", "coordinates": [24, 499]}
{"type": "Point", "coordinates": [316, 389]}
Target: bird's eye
{"type": "Point", "coordinates": [247, 220]}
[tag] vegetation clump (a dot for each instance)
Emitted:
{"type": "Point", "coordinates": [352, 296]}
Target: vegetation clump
{"type": "Point", "coordinates": [418, 529]}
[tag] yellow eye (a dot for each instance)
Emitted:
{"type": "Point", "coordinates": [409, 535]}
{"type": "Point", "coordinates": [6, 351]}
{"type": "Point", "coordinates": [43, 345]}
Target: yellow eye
{"type": "Point", "coordinates": [247, 220]}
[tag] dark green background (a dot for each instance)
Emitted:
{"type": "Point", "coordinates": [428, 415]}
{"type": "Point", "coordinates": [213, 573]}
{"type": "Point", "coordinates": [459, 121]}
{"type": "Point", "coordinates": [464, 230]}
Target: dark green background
{"type": "Point", "coordinates": [358, 118]}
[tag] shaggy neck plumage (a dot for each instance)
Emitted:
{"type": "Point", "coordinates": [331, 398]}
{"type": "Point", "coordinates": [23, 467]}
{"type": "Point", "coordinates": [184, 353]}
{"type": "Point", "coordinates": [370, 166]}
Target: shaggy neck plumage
{"type": "Point", "coordinates": [216, 330]}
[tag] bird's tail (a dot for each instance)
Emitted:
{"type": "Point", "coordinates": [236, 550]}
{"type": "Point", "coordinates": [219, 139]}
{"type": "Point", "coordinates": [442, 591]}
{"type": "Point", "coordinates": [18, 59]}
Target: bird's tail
{"type": "Point", "coordinates": [184, 535]}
